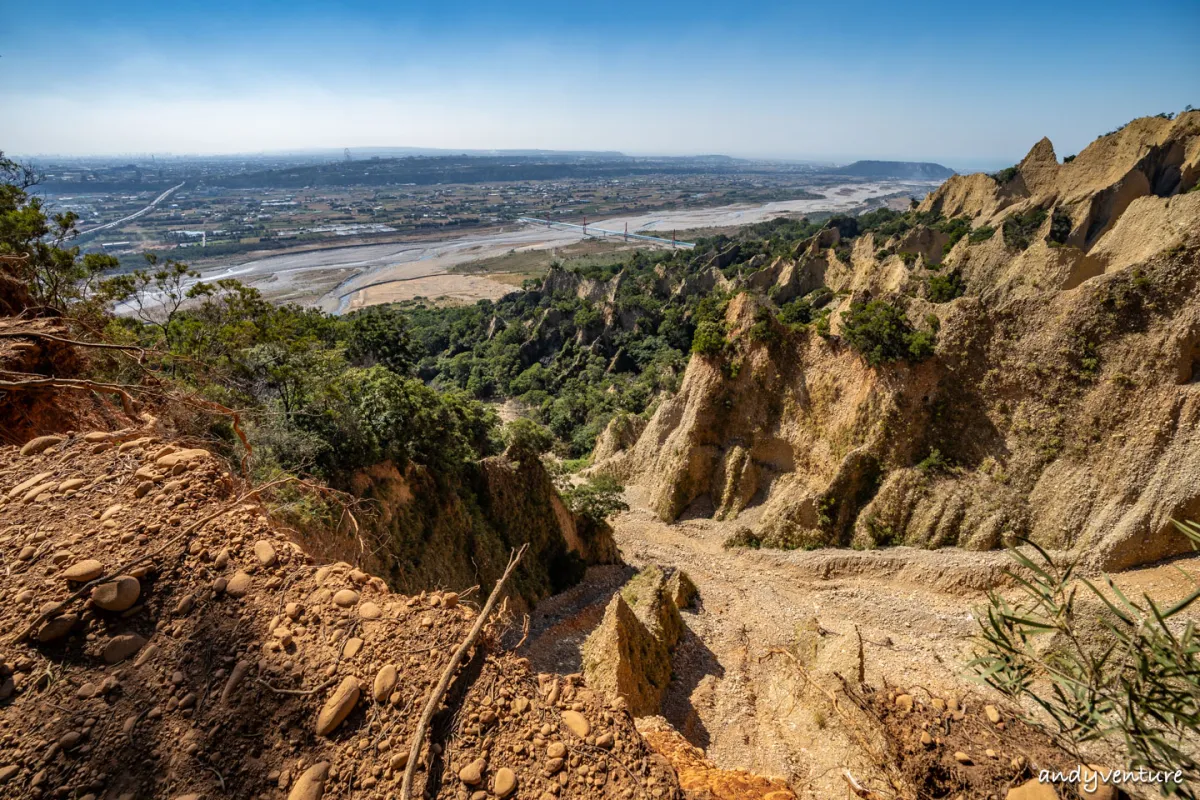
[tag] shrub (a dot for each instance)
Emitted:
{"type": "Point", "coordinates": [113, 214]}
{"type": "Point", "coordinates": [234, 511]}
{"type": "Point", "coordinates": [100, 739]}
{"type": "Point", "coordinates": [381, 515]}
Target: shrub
{"type": "Point", "coordinates": [944, 288]}
{"type": "Point", "coordinates": [1020, 228]}
{"type": "Point", "coordinates": [881, 333]}
{"type": "Point", "coordinates": [379, 335]}
{"type": "Point", "coordinates": [762, 330]}
{"type": "Point", "coordinates": [1060, 227]}
{"type": "Point", "coordinates": [1137, 684]}
{"type": "Point", "coordinates": [981, 234]}
{"type": "Point", "coordinates": [596, 500]}
{"type": "Point", "coordinates": [525, 437]}
{"type": "Point", "coordinates": [796, 312]}
{"type": "Point", "coordinates": [709, 339]}
{"type": "Point", "coordinates": [1005, 175]}
{"type": "Point", "coordinates": [934, 462]}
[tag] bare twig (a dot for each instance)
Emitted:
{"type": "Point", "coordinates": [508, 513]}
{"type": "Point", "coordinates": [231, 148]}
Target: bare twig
{"type": "Point", "coordinates": [34, 384]}
{"type": "Point", "coordinates": [443, 685]}
{"type": "Point", "coordinates": [27, 334]}
{"type": "Point", "coordinates": [858, 789]}
{"type": "Point", "coordinates": [300, 692]}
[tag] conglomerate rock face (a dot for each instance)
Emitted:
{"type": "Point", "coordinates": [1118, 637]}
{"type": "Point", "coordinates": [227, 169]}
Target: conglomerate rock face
{"type": "Point", "coordinates": [1062, 402]}
{"type": "Point", "coordinates": [628, 655]}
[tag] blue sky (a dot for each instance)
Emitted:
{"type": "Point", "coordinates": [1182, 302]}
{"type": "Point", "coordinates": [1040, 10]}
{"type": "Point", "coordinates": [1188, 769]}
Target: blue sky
{"type": "Point", "coordinates": [967, 84]}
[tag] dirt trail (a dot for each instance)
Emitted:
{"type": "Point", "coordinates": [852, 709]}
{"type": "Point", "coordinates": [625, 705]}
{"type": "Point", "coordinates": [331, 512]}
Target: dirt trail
{"type": "Point", "coordinates": [733, 692]}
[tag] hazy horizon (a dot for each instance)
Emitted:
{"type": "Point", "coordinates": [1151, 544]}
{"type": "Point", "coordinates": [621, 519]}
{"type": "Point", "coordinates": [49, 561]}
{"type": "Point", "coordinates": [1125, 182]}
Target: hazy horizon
{"type": "Point", "coordinates": [966, 87]}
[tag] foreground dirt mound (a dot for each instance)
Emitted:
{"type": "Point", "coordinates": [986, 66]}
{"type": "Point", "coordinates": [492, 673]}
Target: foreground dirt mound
{"type": "Point", "coordinates": [160, 638]}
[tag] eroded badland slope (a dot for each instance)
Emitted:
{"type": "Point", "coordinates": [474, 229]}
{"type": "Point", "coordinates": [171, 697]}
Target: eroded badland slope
{"type": "Point", "coordinates": [1059, 403]}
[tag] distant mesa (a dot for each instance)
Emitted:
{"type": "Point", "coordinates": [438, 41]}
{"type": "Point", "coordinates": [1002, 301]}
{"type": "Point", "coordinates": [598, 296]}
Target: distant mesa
{"type": "Point", "coordinates": [906, 170]}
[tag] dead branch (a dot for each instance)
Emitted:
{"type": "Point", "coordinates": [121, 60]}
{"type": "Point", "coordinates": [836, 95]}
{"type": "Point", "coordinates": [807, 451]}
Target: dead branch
{"type": "Point", "coordinates": [443, 685]}
{"type": "Point", "coordinates": [300, 692]}
{"type": "Point", "coordinates": [57, 609]}
{"type": "Point", "coordinates": [35, 384]}
{"type": "Point", "coordinates": [858, 789]}
{"type": "Point", "coordinates": [27, 334]}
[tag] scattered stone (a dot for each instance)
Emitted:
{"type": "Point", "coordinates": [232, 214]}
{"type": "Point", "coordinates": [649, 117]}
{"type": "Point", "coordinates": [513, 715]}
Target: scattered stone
{"type": "Point", "coordinates": [185, 605]}
{"type": "Point", "coordinates": [24, 486]}
{"type": "Point", "coordinates": [122, 647]}
{"type": "Point", "coordinates": [352, 648]}
{"type": "Point", "coordinates": [472, 774]}
{"type": "Point", "coordinates": [84, 571]}
{"type": "Point", "coordinates": [1032, 790]}
{"type": "Point", "coordinates": [181, 457]}
{"type": "Point", "coordinates": [238, 585]}
{"type": "Point", "coordinates": [148, 474]}
{"type": "Point", "coordinates": [449, 599]}
{"type": "Point", "coordinates": [111, 512]}
{"type": "Point", "coordinates": [369, 610]}
{"type": "Point", "coordinates": [962, 758]}
{"type": "Point", "coordinates": [385, 683]}
{"type": "Point", "coordinates": [8, 772]}
{"type": "Point", "coordinates": [235, 677]}
{"type": "Point", "coordinates": [41, 443]}
{"type": "Point", "coordinates": [338, 706]}
{"type": "Point", "coordinates": [311, 785]}
{"type": "Point", "coordinates": [264, 551]}
{"type": "Point", "coordinates": [505, 783]}
{"type": "Point", "coordinates": [117, 595]}
{"type": "Point", "coordinates": [556, 750]}
{"type": "Point", "coordinates": [346, 598]}
{"type": "Point", "coordinates": [992, 714]}
{"type": "Point", "coordinates": [926, 739]}
{"type": "Point", "coordinates": [145, 655]}
{"type": "Point", "coordinates": [71, 483]}
{"type": "Point", "coordinates": [904, 703]}
{"type": "Point", "coordinates": [576, 723]}
{"type": "Point", "coordinates": [1089, 775]}
{"type": "Point", "coordinates": [605, 740]}
{"type": "Point", "coordinates": [55, 629]}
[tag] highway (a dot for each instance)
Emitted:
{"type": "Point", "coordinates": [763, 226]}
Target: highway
{"type": "Point", "coordinates": [154, 204]}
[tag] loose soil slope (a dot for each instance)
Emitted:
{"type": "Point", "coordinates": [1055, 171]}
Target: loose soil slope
{"type": "Point", "coordinates": [217, 659]}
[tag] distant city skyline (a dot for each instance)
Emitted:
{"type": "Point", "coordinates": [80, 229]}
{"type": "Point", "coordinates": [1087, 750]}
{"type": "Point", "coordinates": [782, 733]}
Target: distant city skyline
{"type": "Point", "coordinates": [968, 87]}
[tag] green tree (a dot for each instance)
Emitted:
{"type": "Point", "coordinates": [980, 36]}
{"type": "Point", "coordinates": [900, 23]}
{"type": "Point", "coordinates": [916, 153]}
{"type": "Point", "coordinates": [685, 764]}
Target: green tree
{"type": "Point", "coordinates": [379, 335]}
{"type": "Point", "coordinates": [33, 245]}
{"type": "Point", "coordinates": [944, 288]}
{"type": "Point", "coordinates": [596, 500]}
{"type": "Point", "coordinates": [880, 331]}
{"type": "Point", "coordinates": [523, 436]}
{"type": "Point", "coordinates": [709, 339]}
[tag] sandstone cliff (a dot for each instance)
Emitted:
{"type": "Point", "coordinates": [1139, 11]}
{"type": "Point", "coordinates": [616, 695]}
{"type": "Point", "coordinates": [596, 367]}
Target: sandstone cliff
{"type": "Point", "coordinates": [1062, 402]}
